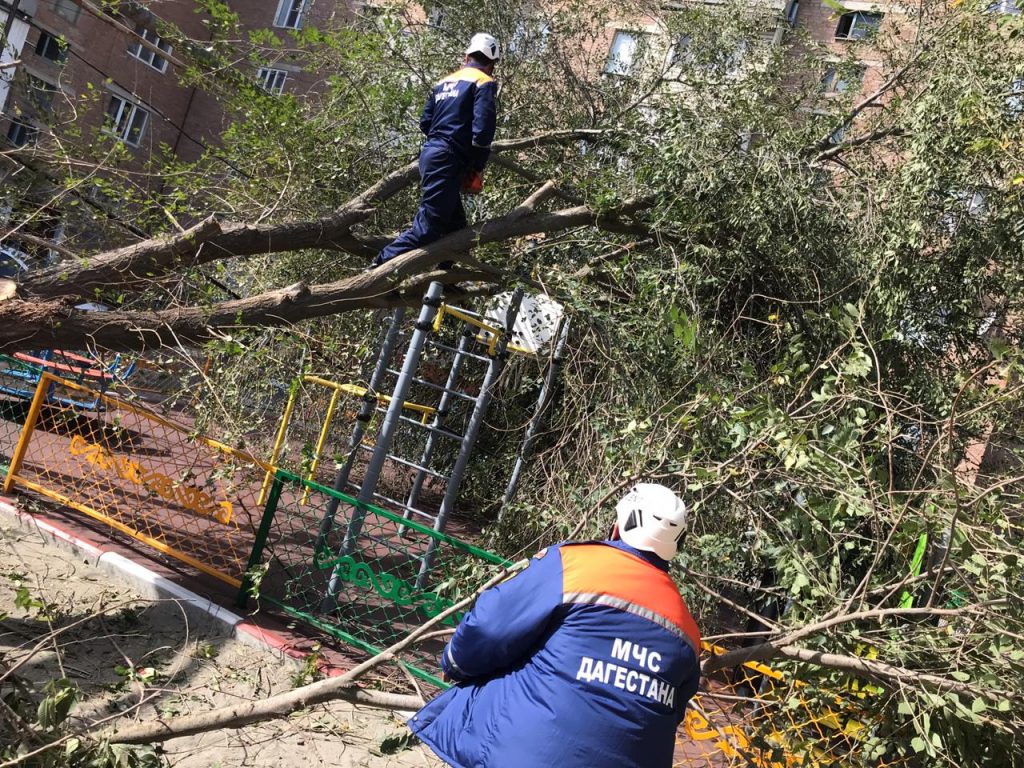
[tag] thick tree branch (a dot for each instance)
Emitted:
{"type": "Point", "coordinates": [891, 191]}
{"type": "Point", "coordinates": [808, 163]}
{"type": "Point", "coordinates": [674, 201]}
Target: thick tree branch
{"type": "Point", "coordinates": [55, 323]}
{"type": "Point", "coordinates": [888, 674]}
{"type": "Point", "coordinates": [155, 258]}
{"type": "Point", "coordinates": [126, 267]}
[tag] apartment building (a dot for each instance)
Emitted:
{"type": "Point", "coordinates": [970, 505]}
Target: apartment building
{"type": "Point", "coordinates": [76, 73]}
{"type": "Point", "coordinates": [115, 73]}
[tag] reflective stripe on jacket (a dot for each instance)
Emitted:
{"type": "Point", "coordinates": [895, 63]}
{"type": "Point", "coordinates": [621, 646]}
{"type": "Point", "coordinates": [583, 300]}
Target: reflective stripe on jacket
{"type": "Point", "coordinates": [461, 111]}
{"type": "Point", "coordinates": [586, 658]}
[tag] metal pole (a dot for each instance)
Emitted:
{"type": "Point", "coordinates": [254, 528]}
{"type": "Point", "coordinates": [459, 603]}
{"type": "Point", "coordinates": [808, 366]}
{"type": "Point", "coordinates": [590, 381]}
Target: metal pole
{"type": "Point", "coordinates": [26, 431]}
{"type": "Point", "coordinates": [543, 401]}
{"type": "Point", "coordinates": [321, 441]}
{"type": "Point", "coordinates": [262, 534]}
{"type": "Point", "coordinates": [439, 417]}
{"type": "Point", "coordinates": [494, 370]}
{"type": "Point", "coordinates": [366, 410]}
{"type": "Point", "coordinates": [279, 439]}
{"type": "Point", "coordinates": [390, 424]}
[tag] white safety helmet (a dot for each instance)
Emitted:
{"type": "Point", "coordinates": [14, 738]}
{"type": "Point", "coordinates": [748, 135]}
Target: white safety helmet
{"type": "Point", "coordinates": [653, 519]}
{"type": "Point", "coordinates": [485, 44]}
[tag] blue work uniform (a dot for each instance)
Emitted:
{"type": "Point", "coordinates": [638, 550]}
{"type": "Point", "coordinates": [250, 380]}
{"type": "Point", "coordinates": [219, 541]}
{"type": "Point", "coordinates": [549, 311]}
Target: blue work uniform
{"type": "Point", "coordinates": [458, 121]}
{"type": "Point", "coordinates": [585, 659]}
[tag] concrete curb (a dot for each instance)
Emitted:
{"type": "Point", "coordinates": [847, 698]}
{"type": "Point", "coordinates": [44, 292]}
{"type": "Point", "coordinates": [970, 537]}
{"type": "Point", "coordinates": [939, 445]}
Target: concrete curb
{"type": "Point", "coordinates": [153, 586]}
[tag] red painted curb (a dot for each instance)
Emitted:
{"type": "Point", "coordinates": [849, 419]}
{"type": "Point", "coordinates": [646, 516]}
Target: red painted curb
{"type": "Point", "coordinates": [267, 637]}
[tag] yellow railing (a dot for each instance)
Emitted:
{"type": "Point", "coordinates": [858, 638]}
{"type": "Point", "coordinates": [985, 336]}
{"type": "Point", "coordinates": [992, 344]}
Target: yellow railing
{"type": "Point", "coordinates": [337, 389]}
{"type": "Point", "coordinates": [188, 496]}
{"type": "Point", "coordinates": [492, 343]}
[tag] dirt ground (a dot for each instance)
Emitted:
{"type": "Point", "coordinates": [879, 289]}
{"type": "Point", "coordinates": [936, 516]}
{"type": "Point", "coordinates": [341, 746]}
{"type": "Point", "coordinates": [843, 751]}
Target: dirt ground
{"type": "Point", "coordinates": [147, 651]}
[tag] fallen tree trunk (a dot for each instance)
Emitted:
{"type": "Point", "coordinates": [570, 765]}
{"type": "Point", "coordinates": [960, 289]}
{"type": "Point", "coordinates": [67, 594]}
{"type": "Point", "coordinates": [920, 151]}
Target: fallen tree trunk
{"type": "Point", "coordinates": [28, 324]}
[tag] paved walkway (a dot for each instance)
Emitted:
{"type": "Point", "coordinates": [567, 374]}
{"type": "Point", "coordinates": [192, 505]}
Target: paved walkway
{"type": "Point", "coordinates": [187, 653]}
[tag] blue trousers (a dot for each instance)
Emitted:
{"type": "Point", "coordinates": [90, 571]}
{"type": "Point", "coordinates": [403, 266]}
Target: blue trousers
{"type": "Point", "coordinates": [441, 211]}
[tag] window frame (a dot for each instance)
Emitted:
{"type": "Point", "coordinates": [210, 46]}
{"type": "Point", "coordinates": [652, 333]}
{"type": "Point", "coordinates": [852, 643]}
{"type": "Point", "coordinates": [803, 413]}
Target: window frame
{"type": "Point", "coordinates": [853, 30]}
{"type": "Point", "coordinates": [29, 132]}
{"type": "Point", "coordinates": [40, 85]}
{"type": "Point", "coordinates": [286, 9]}
{"type": "Point", "coordinates": [264, 76]}
{"type": "Point", "coordinates": [112, 123]}
{"type": "Point", "coordinates": [615, 65]}
{"type": "Point", "coordinates": [836, 75]}
{"type": "Point", "coordinates": [146, 55]}
{"type": "Point", "coordinates": [50, 41]}
{"type": "Point", "coordinates": [62, 8]}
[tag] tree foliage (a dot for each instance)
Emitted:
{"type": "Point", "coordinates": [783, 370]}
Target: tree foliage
{"type": "Point", "coordinates": [802, 309]}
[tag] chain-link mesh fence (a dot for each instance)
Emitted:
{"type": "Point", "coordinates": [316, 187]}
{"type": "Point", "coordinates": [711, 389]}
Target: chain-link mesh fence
{"type": "Point", "coordinates": [18, 381]}
{"type": "Point", "coordinates": [754, 715]}
{"type": "Point", "coordinates": [361, 573]}
{"type": "Point", "coordinates": [356, 572]}
{"type": "Point", "coordinates": [188, 496]}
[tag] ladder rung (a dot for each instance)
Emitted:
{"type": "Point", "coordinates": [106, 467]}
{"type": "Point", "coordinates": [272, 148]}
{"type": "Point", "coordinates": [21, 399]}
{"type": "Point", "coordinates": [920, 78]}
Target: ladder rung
{"type": "Point", "coordinates": [417, 467]}
{"type": "Point", "coordinates": [436, 387]}
{"type": "Point", "coordinates": [454, 350]}
{"type": "Point", "coordinates": [436, 430]}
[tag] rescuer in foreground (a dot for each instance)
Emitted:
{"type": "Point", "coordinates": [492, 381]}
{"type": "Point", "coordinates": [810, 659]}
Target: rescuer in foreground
{"type": "Point", "coordinates": [585, 659]}
{"type": "Point", "coordinates": [458, 121]}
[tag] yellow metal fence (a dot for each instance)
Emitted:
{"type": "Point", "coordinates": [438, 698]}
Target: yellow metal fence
{"type": "Point", "coordinates": [186, 495]}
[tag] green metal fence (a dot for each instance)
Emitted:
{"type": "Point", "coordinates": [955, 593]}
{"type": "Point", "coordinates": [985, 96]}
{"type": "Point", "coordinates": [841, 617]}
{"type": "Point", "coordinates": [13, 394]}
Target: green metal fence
{"type": "Point", "coordinates": [360, 573]}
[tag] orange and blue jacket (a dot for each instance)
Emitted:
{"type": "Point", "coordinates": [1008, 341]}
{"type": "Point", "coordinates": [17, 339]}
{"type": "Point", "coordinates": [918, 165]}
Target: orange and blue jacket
{"type": "Point", "coordinates": [461, 111]}
{"type": "Point", "coordinates": [586, 658]}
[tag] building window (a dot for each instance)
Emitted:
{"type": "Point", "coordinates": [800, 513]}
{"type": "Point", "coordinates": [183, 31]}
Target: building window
{"type": "Point", "coordinates": [271, 80]}
{"type": "Point", "coordinates": [838, 80]}
{"type": "Point", "coordinates": [50, 47]}
{"type": "Point", "coordinates": [68, 10]}
{"type": "Point", "coordinates": [126, 121]}
{"type": "Point", "coordinates": [529, 39]}
{"type": "Point", "coordinates": [857, 25]}
{"type": "Point", "coordinates": [40, 93]}
{"type": "Point", "coordinates": [148, 55]}
{"type": "Point", "coordinates": [289, 14]}
{"type": "Point", "coordinates": [680, 53]}
{"type": "Point", "coordinates": [622, 58]}
{"type": "Point", "coordinates": [1012, 7]}
{"type": "Point", "coordinates": [19, 134]}
{"type": "Point", "coordinates": [1015, 99]}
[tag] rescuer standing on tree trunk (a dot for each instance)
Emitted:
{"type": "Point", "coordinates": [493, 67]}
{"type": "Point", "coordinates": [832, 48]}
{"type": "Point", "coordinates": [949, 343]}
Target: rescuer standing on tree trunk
{"type": "Point", "coordinates": [584, 660]}
{"type": "Point", "coordinates": [458, 121]}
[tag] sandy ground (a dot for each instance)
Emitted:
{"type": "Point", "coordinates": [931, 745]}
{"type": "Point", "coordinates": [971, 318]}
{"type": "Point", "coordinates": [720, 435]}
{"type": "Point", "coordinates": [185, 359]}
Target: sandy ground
{"type": "Point", "coordinates": [147, 651]}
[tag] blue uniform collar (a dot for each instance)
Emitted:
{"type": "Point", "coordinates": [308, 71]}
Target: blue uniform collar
{"type": "Point", "coordinates": [648, 557]}
{"type": "Point", "coordinates": [471, 64]}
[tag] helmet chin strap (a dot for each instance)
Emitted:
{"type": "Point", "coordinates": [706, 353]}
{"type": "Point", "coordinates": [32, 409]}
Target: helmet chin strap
{"type": "Point", "coordinates": [613, 534]}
